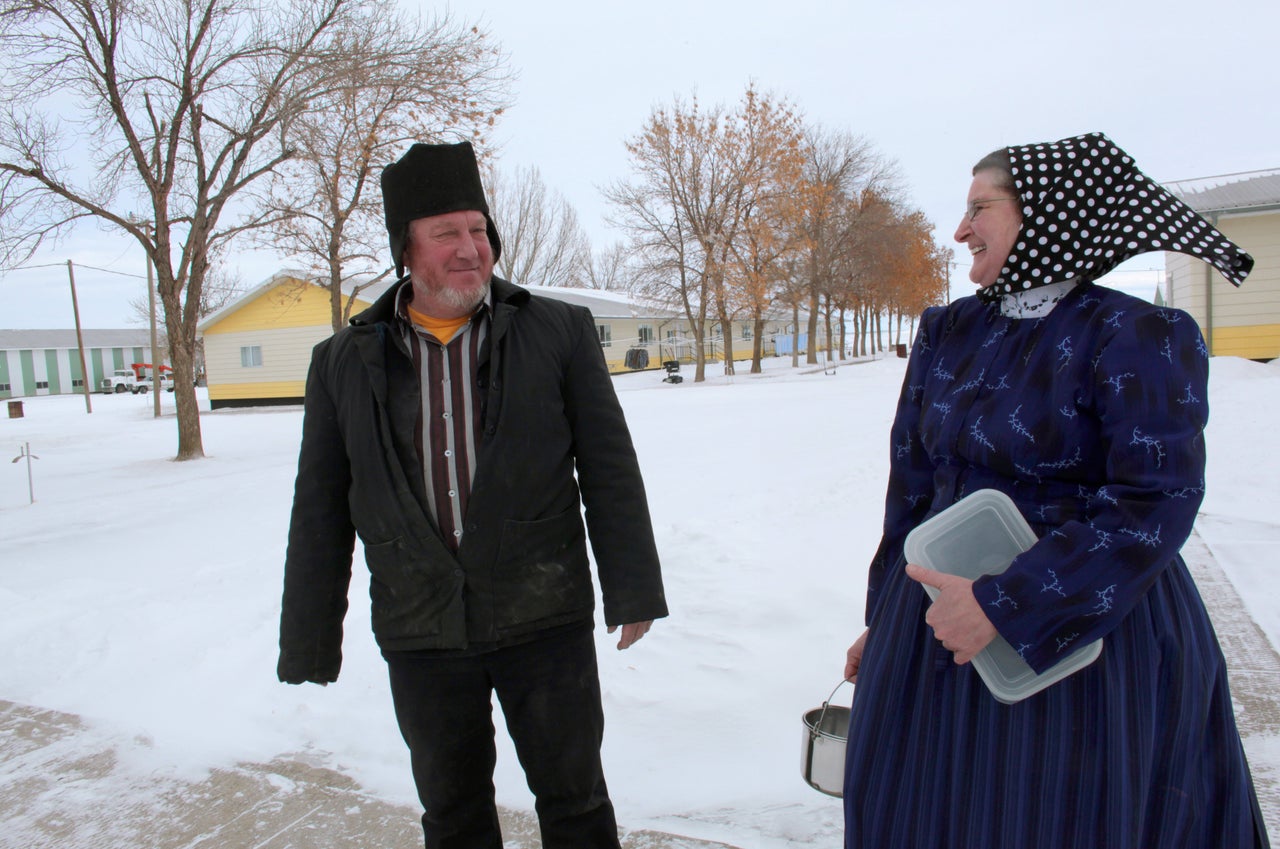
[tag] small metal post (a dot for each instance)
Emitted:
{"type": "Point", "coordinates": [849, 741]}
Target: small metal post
{"type": "Point", "coordinates": [25, 451]}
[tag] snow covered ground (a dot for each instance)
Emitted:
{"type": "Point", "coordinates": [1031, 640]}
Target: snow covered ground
{"type": "Point", "coordinates": [143, 594]}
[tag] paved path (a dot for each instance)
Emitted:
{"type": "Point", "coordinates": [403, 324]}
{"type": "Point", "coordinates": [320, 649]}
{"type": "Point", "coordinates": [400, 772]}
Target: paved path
{"type": "Point", "coordinates": [62, 785]}
{"type": "Point", "coordinates": [1253, 667]}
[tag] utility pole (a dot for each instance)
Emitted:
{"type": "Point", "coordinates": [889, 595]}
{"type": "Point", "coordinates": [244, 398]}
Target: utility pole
{"type": "Point", "coordinates": [75, 308]}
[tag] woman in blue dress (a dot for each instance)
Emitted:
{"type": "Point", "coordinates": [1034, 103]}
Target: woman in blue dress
{"type": "Point", "coordinates": [1087, 407]}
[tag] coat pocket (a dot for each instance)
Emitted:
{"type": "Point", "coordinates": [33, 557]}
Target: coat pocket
{"type": "Point", "coordinates": [542, 571]}
{"type": "Point", "coordinates": [409, 598]}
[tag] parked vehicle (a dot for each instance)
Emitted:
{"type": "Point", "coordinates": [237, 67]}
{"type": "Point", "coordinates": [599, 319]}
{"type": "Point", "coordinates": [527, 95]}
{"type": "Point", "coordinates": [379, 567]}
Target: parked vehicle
{"type": "Point", "coordinates": [121, 380]}
{"type": "Point", "coordinates": [166, 383]}
{"type": "Point", "coordinates": [137, 379]}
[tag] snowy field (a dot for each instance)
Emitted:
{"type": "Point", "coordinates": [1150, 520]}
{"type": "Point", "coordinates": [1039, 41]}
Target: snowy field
{"type": "Point", "coordinates": [143, 594]}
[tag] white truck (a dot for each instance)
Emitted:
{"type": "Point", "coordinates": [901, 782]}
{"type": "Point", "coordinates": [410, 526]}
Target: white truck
{"type": "Point", "coordinates": [121, 380]}
{"type": "Point", "coordinates": [166, 383]}
{"type": "Point", "coordinates": [136, 380]}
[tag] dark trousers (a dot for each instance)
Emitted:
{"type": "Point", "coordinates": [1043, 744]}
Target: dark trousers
{"type": "Point", "coordinates": [549, 690]}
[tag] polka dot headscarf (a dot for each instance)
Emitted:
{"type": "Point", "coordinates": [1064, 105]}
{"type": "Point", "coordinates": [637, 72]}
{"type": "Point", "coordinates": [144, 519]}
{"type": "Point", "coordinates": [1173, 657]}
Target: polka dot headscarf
{"type": "Point", "coordinates": [1086, 208]}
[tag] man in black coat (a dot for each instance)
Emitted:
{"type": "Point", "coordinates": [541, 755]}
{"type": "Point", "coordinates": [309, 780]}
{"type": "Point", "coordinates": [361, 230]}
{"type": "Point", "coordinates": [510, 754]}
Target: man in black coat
{"type": "Point", "coordinates": [458, 426]}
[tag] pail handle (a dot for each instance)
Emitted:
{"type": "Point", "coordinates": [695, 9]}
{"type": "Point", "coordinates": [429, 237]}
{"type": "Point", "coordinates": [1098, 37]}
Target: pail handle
{"type": "Point", "coordinates": [823, 715]}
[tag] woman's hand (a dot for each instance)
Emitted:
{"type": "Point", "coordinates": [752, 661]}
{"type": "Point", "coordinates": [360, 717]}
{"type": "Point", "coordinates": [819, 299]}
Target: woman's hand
{"type": "Point", "coordinates": [956, 617]}
{"type": "Point", "coordinates": [853, 658]}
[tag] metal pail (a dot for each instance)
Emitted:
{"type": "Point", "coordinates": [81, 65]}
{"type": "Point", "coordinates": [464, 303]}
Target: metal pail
{"type": "Point", "coordinates": [826, 730]}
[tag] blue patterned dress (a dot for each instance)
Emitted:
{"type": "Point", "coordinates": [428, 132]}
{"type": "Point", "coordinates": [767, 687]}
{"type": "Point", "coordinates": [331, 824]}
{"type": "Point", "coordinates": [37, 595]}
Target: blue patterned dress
{"type": "Point", "coordinates": [1091, 418]}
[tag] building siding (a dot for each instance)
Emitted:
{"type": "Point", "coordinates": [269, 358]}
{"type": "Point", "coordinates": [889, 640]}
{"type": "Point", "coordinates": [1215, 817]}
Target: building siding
{"type": "Point", "coordinates": [1237, 322]}
{"type": "Point", "coordinates": [290, 304]}
{"type": "Point", "coordinates": [286, 355]}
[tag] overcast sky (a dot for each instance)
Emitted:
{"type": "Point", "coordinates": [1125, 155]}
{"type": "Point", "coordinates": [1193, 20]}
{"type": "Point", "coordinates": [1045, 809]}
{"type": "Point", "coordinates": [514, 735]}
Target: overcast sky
{"type": "Point", "coordinates": [1188, 89]}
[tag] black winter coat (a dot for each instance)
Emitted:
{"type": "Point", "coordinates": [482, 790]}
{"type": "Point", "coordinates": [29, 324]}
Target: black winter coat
{"type": "Point", "coordinates": [522, 564]}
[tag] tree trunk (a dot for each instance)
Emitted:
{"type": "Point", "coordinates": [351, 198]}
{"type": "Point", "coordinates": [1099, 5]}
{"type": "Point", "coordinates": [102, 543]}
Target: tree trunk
{"type": "Point", "coordinates": [795, 335]}
{"type": "Point", "coordinates": [182, 335]}
{"type": "Point", "coordinates": [811, 354]}
{"type": "Point", "coordinates": [726, 333]}
{"type": "Point", "coordinates": [826, 316]}
{"type": "Point", "coordinates": [757, 342]}
{"type": "Point", "coordinates": [842, 333]}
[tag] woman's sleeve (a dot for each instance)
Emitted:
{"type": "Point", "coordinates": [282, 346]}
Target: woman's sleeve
{"type": "Point", "coordinates": [1149, 390]}
{"type": "Point", "coordinates": [910, 487]}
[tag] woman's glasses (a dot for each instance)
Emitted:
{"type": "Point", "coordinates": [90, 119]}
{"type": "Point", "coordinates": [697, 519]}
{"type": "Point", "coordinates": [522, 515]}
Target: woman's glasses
{"type": "Point", "coordinates": [976, 206]}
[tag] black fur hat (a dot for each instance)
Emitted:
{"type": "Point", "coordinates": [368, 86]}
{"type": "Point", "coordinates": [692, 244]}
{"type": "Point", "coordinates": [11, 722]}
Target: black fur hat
{"type": "Point", "coordinates": [432, 179]}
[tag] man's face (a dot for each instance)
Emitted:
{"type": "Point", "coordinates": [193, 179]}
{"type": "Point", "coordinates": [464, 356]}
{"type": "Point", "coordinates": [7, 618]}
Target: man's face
{"type": "Point", "coordinates": [450, 262]}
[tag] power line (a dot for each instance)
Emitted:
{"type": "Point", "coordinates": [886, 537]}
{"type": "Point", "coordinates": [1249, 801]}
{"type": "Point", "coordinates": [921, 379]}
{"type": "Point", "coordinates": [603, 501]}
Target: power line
{"type": "Point", "coordinates": [80, 265]}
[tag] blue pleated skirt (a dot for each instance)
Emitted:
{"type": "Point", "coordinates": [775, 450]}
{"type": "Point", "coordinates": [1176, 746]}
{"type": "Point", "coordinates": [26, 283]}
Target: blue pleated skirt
{"type": "Point", "coordinates": [1138, 751]}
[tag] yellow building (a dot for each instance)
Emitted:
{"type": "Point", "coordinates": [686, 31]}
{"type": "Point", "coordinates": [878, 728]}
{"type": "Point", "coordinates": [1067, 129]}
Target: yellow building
{"type": "Point", "coordinates": [1242, 322]}
{"type": "Point", "coordinates": [258, 347]}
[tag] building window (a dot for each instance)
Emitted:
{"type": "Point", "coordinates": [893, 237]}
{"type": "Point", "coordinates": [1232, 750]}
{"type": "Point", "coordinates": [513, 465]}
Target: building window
{"type": "Point", "coordinates": [746, 331]}
{"type": "Point", "coordinates": [606, 335]}
{"type": "Point", "coordinates": [42, 384]}
{"type": "Point", "coordinates": [251, 356]}
{"type": "Point", "coordinates": [646, 334]}
{"type": "Point", "coordinates": [4, 387]}
{"type": "Point", "coordinates": [76, 382]}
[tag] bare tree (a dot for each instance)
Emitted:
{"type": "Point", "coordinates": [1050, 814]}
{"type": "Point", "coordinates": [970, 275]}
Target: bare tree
{"type": "Point", "coordinates": [839, 168]}
{"type": "Point", "coordinates": [671, 208]}
{"type": "Point", "coordinates": [705, 181]}
{"type": "Point", "coordinates": [154, 118]}
{"type": "Point", "coordinates": [435, 79]}
{"type": "Point", "coordinates": [221, 287]}
{"type": "Point", "coordinates": [765, 141]}
{"type": "Point", "coordinates": [608, 270]}
{"type": "Point", "coordinates": [542, 242]}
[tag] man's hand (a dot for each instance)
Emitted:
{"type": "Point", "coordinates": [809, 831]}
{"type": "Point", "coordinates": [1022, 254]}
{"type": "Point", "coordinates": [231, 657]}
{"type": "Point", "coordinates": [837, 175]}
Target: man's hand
{"type": "Point", "coordinates": [956, 617]}
{"type": "Point", "coordinates": [631, 633]}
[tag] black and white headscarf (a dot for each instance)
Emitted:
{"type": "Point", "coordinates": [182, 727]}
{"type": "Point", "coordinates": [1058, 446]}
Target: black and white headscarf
{"type": "Point", "coordinates": [1086, 208]}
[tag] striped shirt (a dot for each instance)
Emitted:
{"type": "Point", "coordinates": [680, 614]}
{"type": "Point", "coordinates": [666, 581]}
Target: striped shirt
{"type": "Point", "coordinates": [448, 426]}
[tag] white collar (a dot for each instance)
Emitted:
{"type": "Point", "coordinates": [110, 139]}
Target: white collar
{"type": "Point", "coordinates": [1035, 303]}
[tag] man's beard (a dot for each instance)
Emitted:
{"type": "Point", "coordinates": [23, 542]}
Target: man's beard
{"type": "Point", "coordinates": [462, 300]}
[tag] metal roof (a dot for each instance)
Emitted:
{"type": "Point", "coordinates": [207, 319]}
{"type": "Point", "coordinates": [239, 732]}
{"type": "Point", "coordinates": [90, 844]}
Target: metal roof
{"type": "Point", "coordinates": [1241, 192]}
{"type": "Point", "coordinates": [24, 340]}
{"type": "Point", "coordinates": [603, 304]}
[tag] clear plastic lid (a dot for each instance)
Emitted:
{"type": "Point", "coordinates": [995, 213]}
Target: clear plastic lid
{"type": "Point", "coordinates": [980, 535]}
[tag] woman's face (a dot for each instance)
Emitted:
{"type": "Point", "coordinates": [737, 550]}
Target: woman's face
{"type": "Point", "coordinates": [990, 227]}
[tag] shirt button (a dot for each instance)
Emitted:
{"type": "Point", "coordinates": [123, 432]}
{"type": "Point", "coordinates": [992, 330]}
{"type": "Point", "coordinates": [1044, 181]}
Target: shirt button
{"type": "Point", "coordinates": [448, 453]}
{"type": "Point", "coordinates": [444, 415]}
{"type": "Point", "coordinates": [457, 533]}
{"type": "Point", "coordinates": [453, 493]}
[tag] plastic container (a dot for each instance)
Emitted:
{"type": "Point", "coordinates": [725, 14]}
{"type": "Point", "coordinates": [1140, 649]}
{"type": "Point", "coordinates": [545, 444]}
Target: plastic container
{"type": "Point", "coordinates": [980, 535]}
